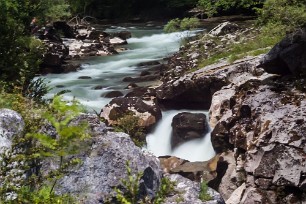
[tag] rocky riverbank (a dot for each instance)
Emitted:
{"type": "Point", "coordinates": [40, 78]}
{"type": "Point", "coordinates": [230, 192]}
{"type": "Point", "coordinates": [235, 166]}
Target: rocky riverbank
{"type": "Point", "coordinates": [66, 44]}
{"type": "Point", "coordinates": [257, 116]}
{"type": "Point", "coordinates": [257, 112]}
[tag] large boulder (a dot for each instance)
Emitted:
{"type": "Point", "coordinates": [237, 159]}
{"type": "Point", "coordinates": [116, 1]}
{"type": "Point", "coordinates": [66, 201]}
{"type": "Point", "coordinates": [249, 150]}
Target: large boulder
{"type": "Point", "coordinates": [66, 30]}
{"type": "Point", "coordinates": [288, 56]}
{"type": "Point", "coordinates": [103, 165]}
{"type": "Point", "coordinates": [187, 126]}
{"type": "Point", "coordinates": [148, 113]}
{"type": "Point", "coordinates": [55, 54]}
{"type": "Point", "coordinates": [124, 35]}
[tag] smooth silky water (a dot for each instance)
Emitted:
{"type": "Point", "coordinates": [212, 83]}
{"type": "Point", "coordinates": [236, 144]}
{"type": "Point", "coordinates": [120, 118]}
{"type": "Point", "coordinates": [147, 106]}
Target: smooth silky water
{"type": "Point", "coordinates": [147, 44]}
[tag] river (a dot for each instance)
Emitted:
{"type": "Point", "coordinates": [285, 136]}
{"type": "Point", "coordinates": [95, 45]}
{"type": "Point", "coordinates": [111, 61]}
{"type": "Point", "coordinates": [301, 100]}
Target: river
{"type": "Point", "coordinates": [147, 44]}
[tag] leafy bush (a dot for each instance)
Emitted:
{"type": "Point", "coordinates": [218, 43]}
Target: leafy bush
{"type": "Point", "coordinates": [34, 146]}
{"type": "Point", "coordinates": [129, 124]}
{"type": "Point", "coordinates": [131, 186]}
{"type": "Point", "coordinates": [283, 15]}
{"type": "Point", "coordinates": [176, 24]}
{"type": "Point", "coordinates": [211, 8]}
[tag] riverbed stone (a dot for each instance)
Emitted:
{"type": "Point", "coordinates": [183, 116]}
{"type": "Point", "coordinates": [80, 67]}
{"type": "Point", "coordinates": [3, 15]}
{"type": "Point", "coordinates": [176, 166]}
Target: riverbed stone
{"type": "Point", "coordinates": [187, 126]}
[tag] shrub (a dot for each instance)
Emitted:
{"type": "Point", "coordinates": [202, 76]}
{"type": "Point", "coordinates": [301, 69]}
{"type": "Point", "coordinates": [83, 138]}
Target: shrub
{"type": "Point", "coordinates": [129, 124]}
{"type": "Point", "coordinates": [284, 15]}
{"type": "Point", "coordinates": [204, 195]}
{"type": "Point", "coordinates": [131, 186]}
{"type": "Point", "coordinates": [34, 146]}
{"type": "Point", "coordinates": [176, 24]}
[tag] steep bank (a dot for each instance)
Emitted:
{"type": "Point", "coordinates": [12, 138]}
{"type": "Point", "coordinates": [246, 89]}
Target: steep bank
{"type": "Point", "coordinates": [257, 120]}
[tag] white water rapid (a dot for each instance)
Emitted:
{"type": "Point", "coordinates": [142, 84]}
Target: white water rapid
{"type": "Point", "coordinates": [147, 44]}
{"type": "Point", "coordinates": [158, 142]}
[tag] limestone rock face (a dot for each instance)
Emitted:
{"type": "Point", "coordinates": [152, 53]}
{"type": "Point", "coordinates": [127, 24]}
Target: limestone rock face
{"type": "Point", "coordinates": [148, 114]}
{"type": "Point", "coordinates": [104, 164]}
{"type": "Point", "coordinates": [264, 126]}
{"type": "Point", "coordinates": [197, 88]}
{"type": "Point", "coordinates": [11, 125]}
{"type": "Point", "coordinates": [187, 126]}
{"type": "Point", "coordinates": [288, 56]}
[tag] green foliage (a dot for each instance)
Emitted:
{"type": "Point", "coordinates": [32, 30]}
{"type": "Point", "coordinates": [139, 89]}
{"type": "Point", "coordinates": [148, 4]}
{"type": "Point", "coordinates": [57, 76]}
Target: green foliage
{"type": "Point", "coordinates": [131, 186]}
{"type": "Point", "coordinates": [211, 8]}
{"type": "Point", "coordinates": [56, 10]}
{"type": "Point", "coordinates": [167, 187]}
{"type": "Point", "coordinates": [131, 189]}
{"type": "Point", "coordinates": [42, 196]}
{"type": "Point", "coordinates": [129, 124]}
{"type": "Point", "coordinates": [176, 24]}
{"type": "Point", "coordinates": [34, 146]}
{"type": "Point", "coordinates": [283, 15]}
{"type": "Point", "coordinates": [204, 195]}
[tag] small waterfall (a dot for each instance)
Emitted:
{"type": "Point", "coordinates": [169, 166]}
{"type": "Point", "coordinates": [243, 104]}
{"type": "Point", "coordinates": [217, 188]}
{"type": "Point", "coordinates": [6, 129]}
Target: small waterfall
{"type": "Point", "coordinates": [158, 142]}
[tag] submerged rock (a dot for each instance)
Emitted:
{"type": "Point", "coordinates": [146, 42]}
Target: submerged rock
{"type": "Point", "coordinates": [187, 126]}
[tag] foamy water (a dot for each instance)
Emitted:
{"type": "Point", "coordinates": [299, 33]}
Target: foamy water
{"type": "Point", "coordinates": [147, 44]}
{"type": "Point", "coordinates": [159, 141]}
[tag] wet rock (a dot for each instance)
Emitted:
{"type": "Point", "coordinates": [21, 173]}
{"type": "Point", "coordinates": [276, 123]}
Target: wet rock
{"type": "Point", "coordinates": [144, 73]}
{"type": "Point", "coordinates": [64, 28]}
{"type": "Point", "coordinates": [148, 114]}
{"type": "Point", "coordinates": [187, 126]}
{"type": "Point", "coordinates": [288, 56]}
{"type": "Point", "coordinates": [137, 92]}
{"type": "Point", "coordinates": [55, 54]}
{"type": "Point", "coordinates": [113, 94]}
{"type": "Point", "coordinates": [141, 78]}
{"type": "Point", "coordinates": [84, 77]}
{"type": "Point", "coordinates": [224, 28]}
{"type": "Point", "coordinates": [150, 63]}
{"type": "Point", "coordinates": [124, 35]}
{"type": "Point", "coordinates": [131, 86]}
{"type": "Point", "coordinates": [99, 87]}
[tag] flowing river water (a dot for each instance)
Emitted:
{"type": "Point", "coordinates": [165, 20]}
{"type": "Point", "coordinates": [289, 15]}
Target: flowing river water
{"type": "Point", "coordinates": [147, 44]}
